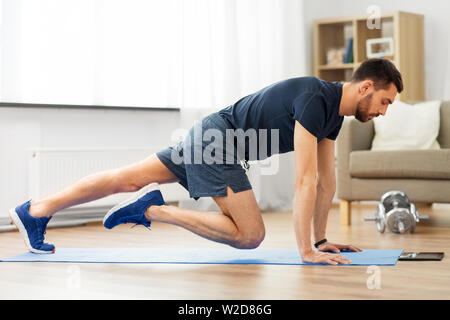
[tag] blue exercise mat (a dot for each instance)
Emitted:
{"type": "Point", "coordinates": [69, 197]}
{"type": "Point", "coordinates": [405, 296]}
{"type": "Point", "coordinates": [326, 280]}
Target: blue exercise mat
{"type": "Point", "coordinates": [199, 256]}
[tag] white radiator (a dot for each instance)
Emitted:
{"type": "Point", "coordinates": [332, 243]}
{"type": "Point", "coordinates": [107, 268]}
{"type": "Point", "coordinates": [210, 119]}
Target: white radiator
{"type": "Point", "coordinates": [52, 170]}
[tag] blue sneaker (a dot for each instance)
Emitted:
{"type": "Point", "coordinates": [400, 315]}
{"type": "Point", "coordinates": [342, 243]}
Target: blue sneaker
{"type": "Point", "coordinates": [133, 209]}
{"type": "Point", "coordinates": [31, 228]}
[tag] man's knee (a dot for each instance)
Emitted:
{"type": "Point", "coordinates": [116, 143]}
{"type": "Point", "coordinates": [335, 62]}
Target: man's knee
{"type": "Point", "coordinates": [249, 240]}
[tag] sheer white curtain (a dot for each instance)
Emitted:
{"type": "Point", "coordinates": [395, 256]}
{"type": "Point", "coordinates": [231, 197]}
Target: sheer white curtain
{"type": "Point", "coordinates": [233, 48]}
{"type": "Point", "coordinates": [189, 54]}
{"type": "Point", "coordinates": [94, 52]}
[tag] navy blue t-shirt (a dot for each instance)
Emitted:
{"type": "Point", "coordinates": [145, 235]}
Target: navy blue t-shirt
{"type": "Point", "coordinates": [313, 102]}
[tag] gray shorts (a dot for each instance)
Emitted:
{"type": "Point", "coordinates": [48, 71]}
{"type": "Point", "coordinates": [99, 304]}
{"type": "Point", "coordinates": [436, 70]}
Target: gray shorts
{"type": "Point", "coordinates": [206, 179]}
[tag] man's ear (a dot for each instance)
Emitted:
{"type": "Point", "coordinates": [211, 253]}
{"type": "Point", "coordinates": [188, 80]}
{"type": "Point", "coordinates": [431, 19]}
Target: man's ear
{"type": "Point", "coordinates": [365, 86]}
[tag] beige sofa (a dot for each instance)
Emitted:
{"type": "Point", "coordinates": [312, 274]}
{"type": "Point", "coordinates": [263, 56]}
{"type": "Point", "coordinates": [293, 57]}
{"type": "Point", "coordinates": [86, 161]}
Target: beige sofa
{"type": "Point", "coordinates": [364, 175]}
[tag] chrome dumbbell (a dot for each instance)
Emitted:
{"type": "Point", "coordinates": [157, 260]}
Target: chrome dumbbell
{"type": "Point", "coordinates": [397, 213]}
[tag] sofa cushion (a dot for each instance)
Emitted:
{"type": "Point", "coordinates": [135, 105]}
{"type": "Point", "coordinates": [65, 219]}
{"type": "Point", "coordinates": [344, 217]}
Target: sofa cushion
{"type": "Point", "coordinates": [408, 127]}
{"type": "Point", "coordinates": [414, 164]}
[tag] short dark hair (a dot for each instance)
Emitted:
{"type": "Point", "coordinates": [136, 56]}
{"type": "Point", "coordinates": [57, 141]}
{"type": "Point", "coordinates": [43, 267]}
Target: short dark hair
{"type": "Point", "coordinates": [381, 71]}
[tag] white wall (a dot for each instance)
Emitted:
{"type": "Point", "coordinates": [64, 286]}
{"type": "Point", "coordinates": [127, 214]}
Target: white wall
{"type": "Point", "coordinates": [437, 26]}
{"type": "Point", "coordinates": [22, 129]}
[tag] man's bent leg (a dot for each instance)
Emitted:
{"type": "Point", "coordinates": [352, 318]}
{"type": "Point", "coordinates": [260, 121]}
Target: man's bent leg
{"type": "Point", "coordinates": [125, 179]}
{"type": "Point", "coordinates": [239, 225]}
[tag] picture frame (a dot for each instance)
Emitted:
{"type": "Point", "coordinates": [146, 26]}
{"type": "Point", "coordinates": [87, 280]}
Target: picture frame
{"type": "Point", "coordinates": [335, 56]}
{"type": "Point", "coordinates": [380, 47]}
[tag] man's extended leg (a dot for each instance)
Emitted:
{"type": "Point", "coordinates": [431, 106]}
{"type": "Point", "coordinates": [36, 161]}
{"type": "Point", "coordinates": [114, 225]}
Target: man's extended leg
{"type": "Point", "coordinates": [125, 179]}
{"type": "Point", "coordinates": [239, 225]}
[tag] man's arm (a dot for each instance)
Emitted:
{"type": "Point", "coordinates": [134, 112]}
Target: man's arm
{"type": "Point", "coordinates": [326, 187]}
{"type": "Point", "coordinates": [305, 151]}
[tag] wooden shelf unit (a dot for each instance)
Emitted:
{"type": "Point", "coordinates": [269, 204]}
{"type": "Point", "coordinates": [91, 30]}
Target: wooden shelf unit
{"type": "Point", "coordinates": [407, 31]}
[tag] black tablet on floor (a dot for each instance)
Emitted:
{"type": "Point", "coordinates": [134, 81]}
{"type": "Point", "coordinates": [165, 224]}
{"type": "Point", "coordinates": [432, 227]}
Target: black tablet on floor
{"type": "Point", "coordinates": [421, 256]}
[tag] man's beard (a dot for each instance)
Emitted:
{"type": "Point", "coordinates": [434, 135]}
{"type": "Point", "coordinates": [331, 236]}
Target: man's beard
{"type": "Point", "coordinates": [362, 109]}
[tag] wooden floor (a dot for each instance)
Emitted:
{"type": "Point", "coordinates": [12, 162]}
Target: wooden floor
{"type": "Point", "coordinates": [406, 280]}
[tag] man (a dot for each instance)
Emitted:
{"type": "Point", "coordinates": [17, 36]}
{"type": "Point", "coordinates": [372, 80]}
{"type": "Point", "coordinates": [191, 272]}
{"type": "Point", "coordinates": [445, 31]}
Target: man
{"type": "Point", "coordinates": [303, 114]}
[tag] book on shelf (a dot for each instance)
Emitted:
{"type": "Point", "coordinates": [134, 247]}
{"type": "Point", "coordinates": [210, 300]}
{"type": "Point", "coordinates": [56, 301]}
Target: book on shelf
{"type": "Point", "coordinates": [348, 58]}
